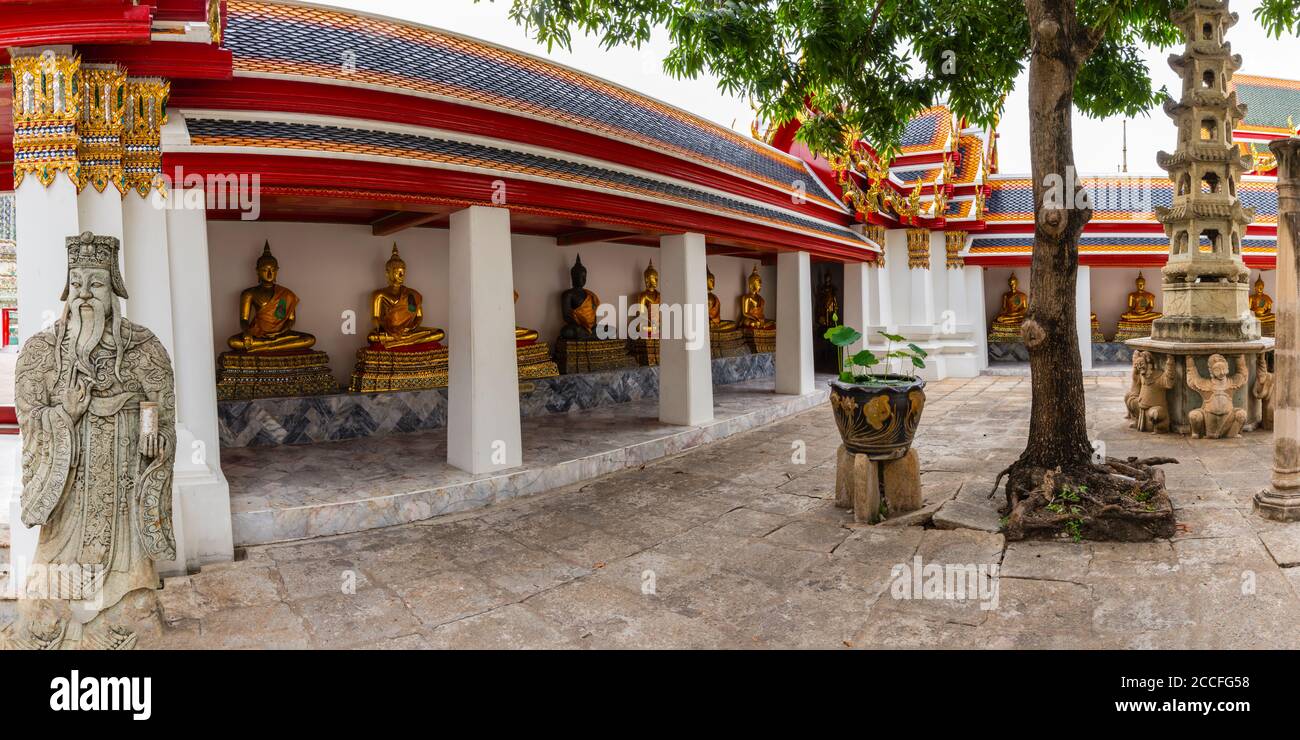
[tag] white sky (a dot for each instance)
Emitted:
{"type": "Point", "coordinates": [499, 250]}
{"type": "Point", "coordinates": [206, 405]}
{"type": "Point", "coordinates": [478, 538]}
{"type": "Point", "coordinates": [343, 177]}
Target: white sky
{"type": "Point", "coordinates": [1096, 143]}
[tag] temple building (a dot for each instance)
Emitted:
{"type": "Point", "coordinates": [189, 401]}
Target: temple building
{"type": "Point", "coordinates": [350, 232]}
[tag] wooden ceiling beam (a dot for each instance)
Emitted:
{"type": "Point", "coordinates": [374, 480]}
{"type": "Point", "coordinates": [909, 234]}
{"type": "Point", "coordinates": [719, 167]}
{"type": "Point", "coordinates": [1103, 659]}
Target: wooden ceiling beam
{"type": "Point", "coordinates": [400, 221]}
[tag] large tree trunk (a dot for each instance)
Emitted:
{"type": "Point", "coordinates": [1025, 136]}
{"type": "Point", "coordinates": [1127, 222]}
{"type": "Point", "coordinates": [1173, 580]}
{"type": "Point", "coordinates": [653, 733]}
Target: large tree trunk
{"type": "Point", "coordinates": [1058, 435]}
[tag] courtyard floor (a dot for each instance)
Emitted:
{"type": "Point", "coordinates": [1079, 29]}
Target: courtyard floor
{"type": "Point", "coordinates": [739, 544]}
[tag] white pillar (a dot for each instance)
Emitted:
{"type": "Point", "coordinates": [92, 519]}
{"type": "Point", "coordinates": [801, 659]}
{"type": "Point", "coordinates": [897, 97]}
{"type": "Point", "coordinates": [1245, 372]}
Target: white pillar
{"type": "Point", "coordinates": [921, 297]}
{"type": "Point", "coordinates": [976, 311]}
{"type": "Point", "coordinates": [794, 345]}
{"type": "Point", "coordinates": [483, 406]}
{"type": "Point", "coordinates": [857, 300]}
{"type": "Point", "coordinates": [939, 299]}
{"type": "Point", "coordinates": [685, 365]}
{"type": "Point", "coordinates": [1083, 314]}
{"type": "Point", "coordinates": [896, 308]}
{"type": "Point", "coordinates": [146, 267]}
{"type": "Point", "coordinates": [202, 503]}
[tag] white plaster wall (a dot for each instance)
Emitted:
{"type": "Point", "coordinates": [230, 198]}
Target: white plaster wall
{"type": "Point", "coordinates": [335, 267]}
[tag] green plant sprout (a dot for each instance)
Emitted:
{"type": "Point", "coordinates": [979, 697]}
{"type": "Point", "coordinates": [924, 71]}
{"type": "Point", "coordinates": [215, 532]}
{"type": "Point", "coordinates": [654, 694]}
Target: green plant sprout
{"type": "Point", "coordinates": [844, 336]}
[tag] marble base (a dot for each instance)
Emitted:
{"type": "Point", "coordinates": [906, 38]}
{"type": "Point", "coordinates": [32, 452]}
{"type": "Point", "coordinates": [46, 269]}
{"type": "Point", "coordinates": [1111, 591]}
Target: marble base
{"type": "Point", "coordinates": [344, 416]}
{"type": "Point", "coordinates": [295, 492]}
{"type": "Point", "coordinates": [248, 375]}
{"type": "Point", "coordinates": [1111, 352]}
{"type": "Point", "coordinates": [1008, 352]}
{"type": "Point", "coordinates": [575, 356]}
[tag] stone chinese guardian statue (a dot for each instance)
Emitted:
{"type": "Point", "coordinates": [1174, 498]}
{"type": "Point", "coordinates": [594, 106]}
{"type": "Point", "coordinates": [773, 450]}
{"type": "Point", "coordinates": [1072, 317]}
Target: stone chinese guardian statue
{"type": "Point", "coordinates": [96, 407]}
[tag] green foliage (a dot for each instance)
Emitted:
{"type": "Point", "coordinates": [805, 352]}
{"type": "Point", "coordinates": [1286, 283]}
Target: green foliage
{"type": "Point", "coordinates": [842, 336]}
{"type": "Point", "coordinates": [863, 68]}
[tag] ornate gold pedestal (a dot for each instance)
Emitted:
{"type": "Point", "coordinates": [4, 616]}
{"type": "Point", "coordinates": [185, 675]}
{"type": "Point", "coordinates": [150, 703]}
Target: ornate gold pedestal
{"type": "Point", "coordinates": [406, 369]}
{"type": "Point", "coordinates": [1132, 330]}
{"type": "Point", "coordinates": [577, 356]}
{"type": "Point", "coordinates": [759, 340]}
{"type": "Point", "coordinates": [246, 375]}
{"type": "Point", "coordinates": [1097, 336]}
{"type": "Point", "coordinates": [534, 360]}
{"type": "Point", "coordinates": [1006, 335]}
{"type": "Point", "coordinates": [1268, 326]}
{"type": "Point", "coordinates": [727, 343]}
{"type": "Point", "coordinates": [644, 351]}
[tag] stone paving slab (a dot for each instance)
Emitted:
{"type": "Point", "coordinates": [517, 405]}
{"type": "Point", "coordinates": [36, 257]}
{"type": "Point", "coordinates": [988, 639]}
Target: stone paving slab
{"type": "Point", "coordinates": [738, 544]}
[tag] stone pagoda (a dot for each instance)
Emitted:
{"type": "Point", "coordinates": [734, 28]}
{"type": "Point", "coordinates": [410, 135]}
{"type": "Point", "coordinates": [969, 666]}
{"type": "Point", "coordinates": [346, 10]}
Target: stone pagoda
{"type": "Point", "coordinates": [1208, 325]}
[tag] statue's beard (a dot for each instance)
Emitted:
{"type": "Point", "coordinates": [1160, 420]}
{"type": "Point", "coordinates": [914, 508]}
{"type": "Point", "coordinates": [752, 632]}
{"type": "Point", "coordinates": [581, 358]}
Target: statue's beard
{"type": "Point", "coordinates": [86, 322]}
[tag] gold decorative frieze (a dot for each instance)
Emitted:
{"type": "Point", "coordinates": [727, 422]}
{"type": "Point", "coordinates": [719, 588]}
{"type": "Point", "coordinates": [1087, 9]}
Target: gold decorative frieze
{"type": "Point", "coordinates": [214, 21]}
{"type": "Point", "coordinates": [955, 242]}
{"type": "Point", "coordinates": [876, 233]}
{"type": "Point", "coordinates": [46, 105]}
{"type": "Point", "coordinates": [143, 118]}
{"type": "Point", "coordinates": [918, 249]}
{"type": "Point", "coordinates": [99, 126]}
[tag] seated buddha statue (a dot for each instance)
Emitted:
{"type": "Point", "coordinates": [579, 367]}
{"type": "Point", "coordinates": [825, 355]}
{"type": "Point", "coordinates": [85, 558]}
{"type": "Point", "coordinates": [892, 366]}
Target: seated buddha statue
{"type": "Point", "coordinates": [578, 307]}
{"type": "Point", "coordinates": [649, 300]}
{"type": "Point", "coordinates": [397, 310]}
{"type": "Point", "coordinates": [1015, 305]}
{"type": "Point", "coordinates": [1141, 304]}
{"type": "Point", "coordinates": [267, 312]}
{"type": "Point", "coordinates": [522, 335]}
{"type": "Point", "coordinates": [752, 303]}
{"type": "Point", "coordinates": [716, 322]}
{"type": "Point", "coordinates": [1262, 306]}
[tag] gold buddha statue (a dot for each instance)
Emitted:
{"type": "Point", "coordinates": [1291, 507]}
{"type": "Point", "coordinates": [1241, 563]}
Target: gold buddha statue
{"type": "Point", "coordinates": [578, 306]}
{"type": "Point", "coordinates": [522, 335]}
{"type": "Point", "coordinates": [752, 303]}
{"type": "Point", "coordinates": [1015, 305]}
{"type": "Point", "coordinates": [649, 300]}
{"type": "Point", "coordinates": [828, 306]}
{"type": "Point", "coordinates": [267, 312]}
{"type": "Point", "coordinates": [397, 311]}
{"type": "Point", "coordinates": [1135, 323]}
{"type": "Point", "coordinates": [716, 322]}
{"type": "Point", "coordinates": [1262, 306]}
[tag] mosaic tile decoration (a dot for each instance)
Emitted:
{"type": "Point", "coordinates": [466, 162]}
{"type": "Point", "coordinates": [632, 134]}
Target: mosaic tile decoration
{"type": "Point", "coordinates": [8, 229]}
{"type": "Point", "coordinates": [269, 422]}
{"type": "Point", "coordinates": [282, 135]}
{"type": "Point", "coordinates": [296, 491]}
{"type": "Point", "coordinates": [343, 47]}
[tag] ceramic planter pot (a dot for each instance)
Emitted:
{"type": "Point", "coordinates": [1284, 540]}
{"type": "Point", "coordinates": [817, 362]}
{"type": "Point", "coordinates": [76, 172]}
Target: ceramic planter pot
{"type": "Point", "coordinates": [878, 420]}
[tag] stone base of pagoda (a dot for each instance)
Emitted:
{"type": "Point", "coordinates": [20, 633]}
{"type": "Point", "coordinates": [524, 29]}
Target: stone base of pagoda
{"type": "Point", "coordinates": [644, 351]}
{"type": "Point", "coordinates": [1132, 330]}
{"type": "Point", "coordinates": [727, 343]}
{"type": "Point", "coordinates": [1181, 400]}
{"type": "Point", "coordinates": [759, 340]}
{"type": "Point", "coordinates": [246, 375]}
{"type": "Point", "coordinates": [586, 356]}
{"type": "Point", "coordinates": [411, 368]}
{"type": "Point", "coordinates": [1206, 312]}
{"type": "Point", "coordinates": [534, 361]}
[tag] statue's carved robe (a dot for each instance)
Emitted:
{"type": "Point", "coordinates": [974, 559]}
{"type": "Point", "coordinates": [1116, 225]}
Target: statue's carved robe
{"type": "Point", "coordinates": [100, 504]}
{"type": "Point", "coordinates": [403, 313]}
{"type": "Point", "coordinates": [272, 317]}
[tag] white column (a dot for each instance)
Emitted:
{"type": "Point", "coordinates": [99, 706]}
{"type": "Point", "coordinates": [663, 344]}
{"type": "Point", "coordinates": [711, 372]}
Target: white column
{"type": "Point", "coordinates": [975, 310]}
{"type": "Point", "coordinates": [202, 503]}
{"type": "Point", "coordinates": [896, 307]}
{"type": "Point", "coordinates": [939, 299]}
{"type": "Point", "coordinates": [794, 345]}
{"type": "Point", "coordinates": [1083, 314]}
{"type": "Point", "coordinates": [921, 298]}
{"type": "Point", "coordinates": [146, 267]}
{"type": "Point", "coordinates": [685, 364]}
{"type": "Point", "coordinates": [101, 213]}
{"type": "Point", "coordinates": [857, 300]}
{"type": "Point", "coordinates": [483, 406]}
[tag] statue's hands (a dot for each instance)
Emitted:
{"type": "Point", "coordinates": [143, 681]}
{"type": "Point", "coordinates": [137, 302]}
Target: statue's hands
{"type": "Point", "coordinates": [76, 399]}
{"type": "Point", "coordinates": [152, 445]}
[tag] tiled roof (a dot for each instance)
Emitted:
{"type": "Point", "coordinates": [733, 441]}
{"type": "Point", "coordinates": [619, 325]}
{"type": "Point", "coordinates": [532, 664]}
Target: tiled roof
{"type": "Point", "coordinates": [999, 244]}
{"type": "Point", "coordinates": [211, 132]}
{"type": "Point", "coordinates": [1122, 199]}
{"type": "Point", "coordinates": [972, 153]}
{"type": "Point", "coordinates": [338, 46]}
{"type": "Point", "coordinates": [928, 131]}
{"type": "Point", "coordinates": [1269, 101]}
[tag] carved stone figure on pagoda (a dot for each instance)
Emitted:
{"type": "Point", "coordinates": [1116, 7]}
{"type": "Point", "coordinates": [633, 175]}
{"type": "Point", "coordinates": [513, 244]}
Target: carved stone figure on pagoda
{"type": "Point", "coordinates": [403, 354]}
{"type": "Point", "coordinates": [268, 357]}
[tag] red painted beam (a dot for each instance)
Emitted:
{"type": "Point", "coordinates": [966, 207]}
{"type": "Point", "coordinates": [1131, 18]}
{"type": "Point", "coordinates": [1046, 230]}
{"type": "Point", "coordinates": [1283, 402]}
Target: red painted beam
{"type": "Point", "coordinates": [68, 22]}
{"type": "Point", "coordinates": [305, 175]}
{"type": "Point", "coordinates": [174, 60]}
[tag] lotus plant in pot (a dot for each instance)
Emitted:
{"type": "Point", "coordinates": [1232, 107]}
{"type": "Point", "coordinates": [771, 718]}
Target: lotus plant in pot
{"type": "Point", "coordinates": [877, 409]}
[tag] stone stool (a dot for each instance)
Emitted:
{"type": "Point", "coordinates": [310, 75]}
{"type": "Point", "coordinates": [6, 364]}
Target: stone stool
{"type": "Point", "coordinates": [862, 483]}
